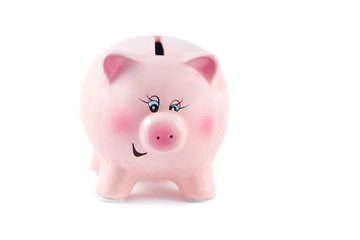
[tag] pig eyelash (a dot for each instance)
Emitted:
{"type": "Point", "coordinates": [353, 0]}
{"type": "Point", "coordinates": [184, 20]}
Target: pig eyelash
{"type": "Point", "coordinates": [178, 103]}
{"type": "Point", "coordinates": [150, 99]}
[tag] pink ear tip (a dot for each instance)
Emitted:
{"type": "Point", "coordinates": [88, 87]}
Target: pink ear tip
{"type": "Point", "coordinates": [205, 65]}
{"type": "Point", "coordinates": [113, 65]}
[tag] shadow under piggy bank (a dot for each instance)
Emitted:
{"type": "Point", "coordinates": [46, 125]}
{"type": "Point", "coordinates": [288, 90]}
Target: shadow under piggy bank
{"type": "Point", "coordinates": [158, 192]}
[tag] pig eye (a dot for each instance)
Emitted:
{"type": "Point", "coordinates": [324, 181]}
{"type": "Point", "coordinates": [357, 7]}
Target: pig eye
{"type": "Point", "coordinates": [153, 103]}
{"type": "Point", "coordinates": [176, 105]}
{"type": "Point", "coordinates": [154, 106]}
{"type": "Point", "coordinates": [174, 108]}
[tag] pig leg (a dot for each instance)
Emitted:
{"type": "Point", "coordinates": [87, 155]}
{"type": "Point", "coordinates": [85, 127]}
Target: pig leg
{"type": "Point", "coordinates": [114, 182]}
{"type": "Point", "coordinates": [197, 186]}
{"type": "Point", "coordinates": [95, 163]}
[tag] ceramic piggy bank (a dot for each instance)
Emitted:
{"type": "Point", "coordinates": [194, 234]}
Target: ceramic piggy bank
{"type": "Point", "coordinates": [155, 107]}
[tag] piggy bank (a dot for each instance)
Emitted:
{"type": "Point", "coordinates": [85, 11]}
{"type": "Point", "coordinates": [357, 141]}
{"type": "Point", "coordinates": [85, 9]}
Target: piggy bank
{"type": "Point", "coordinates": [154, 108]}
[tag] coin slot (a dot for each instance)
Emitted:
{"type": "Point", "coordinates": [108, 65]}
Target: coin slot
{"type": "Point", "coordinates": [159, 50]}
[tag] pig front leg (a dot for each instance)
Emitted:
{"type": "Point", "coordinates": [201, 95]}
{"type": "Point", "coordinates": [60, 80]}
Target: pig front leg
{"type": "Point", "coordinates": [198, 185]}
{"type": "Point", "coordinates": [115, 183]}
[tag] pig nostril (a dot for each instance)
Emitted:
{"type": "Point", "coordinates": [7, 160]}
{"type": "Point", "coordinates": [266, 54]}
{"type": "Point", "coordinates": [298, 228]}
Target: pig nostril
{"type": "Point", "coordinates": [171, 136]}
{"type": "Point", "coordinates": [157, 137]}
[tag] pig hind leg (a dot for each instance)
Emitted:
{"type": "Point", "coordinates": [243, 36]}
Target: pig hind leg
{"type": "Point", "coordinates": [95, 163]}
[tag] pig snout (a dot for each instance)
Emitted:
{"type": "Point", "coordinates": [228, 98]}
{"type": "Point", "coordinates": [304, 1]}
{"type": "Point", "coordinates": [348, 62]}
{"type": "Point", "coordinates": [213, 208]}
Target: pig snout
{"type": "Point", "coordinates": [163, 132]}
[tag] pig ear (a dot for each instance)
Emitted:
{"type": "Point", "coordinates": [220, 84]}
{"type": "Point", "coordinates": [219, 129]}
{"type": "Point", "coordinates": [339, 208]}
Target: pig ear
{"type": "Point", "coordinates": [205, 65]}
{"type": "Point", "coordinates": [115, 64]}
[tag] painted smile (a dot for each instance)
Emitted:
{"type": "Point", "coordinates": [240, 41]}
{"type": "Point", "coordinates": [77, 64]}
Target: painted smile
{"type": "Point", "coordinates": [136, 153]}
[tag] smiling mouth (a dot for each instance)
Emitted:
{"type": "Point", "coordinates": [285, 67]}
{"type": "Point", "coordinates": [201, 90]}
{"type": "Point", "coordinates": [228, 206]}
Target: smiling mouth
{"type": "Point", "coordinates": [136, 153]}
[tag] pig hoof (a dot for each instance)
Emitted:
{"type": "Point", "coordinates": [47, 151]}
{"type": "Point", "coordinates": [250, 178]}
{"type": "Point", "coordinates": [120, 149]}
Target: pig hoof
{"type": "Point", "coordinates": [109, 200]}
{"type": "Point", "coordinates": [197, 200]}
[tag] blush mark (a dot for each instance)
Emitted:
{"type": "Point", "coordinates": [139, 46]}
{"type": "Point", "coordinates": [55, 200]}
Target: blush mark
{"type": "Point", "coordinates": [121, 122]}
{"type": "Point", "coordinates": [206, 125]}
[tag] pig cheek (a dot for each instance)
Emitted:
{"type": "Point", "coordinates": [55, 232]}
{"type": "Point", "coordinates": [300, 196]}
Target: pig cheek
{"type": "Point", "coordinates": [121, 123]}
{"type": "Point", "coordinates": [206, 126]}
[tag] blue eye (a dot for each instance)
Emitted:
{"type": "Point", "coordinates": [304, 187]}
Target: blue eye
{"type": "Point", "coordinates": [153, 106]}
{"type": "Point", "coordinates": [174, 108]}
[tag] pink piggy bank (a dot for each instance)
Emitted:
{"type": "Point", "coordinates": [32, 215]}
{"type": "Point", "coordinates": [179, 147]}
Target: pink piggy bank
{"type": "Point", "coordinates": [155, 107]}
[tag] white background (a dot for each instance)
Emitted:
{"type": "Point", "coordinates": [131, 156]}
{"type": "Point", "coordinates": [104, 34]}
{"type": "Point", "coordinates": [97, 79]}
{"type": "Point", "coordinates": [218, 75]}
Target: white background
{"type": "Point", "coordinates": [288, 168]}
